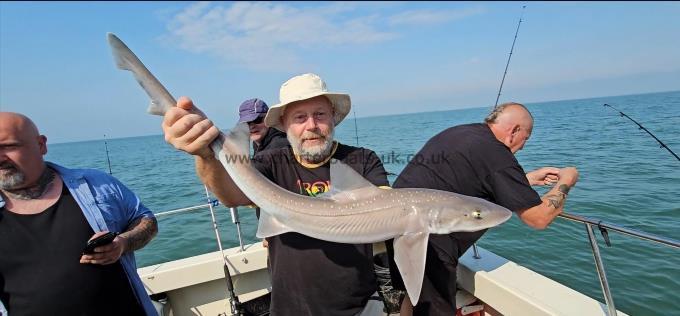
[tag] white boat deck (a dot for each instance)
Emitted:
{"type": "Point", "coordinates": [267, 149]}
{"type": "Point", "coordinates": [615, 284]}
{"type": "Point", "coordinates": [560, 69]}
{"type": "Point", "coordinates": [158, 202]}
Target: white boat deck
{"type": "Point", "coordinates": [512, 289]}
{"type": "Point", "coordinates": [196, 285]}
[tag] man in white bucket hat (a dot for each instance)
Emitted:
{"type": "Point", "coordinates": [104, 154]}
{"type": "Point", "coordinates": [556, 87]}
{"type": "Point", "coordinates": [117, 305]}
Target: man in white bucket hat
{"type": "Point", "coordinates": [309, 276]}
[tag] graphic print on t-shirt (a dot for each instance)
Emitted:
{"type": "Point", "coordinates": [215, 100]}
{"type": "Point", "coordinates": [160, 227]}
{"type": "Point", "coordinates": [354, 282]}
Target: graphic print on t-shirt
{"type": "Point", "coordinates": [342, 273]}
{"type": "Point", "coordinates": [314, 188]}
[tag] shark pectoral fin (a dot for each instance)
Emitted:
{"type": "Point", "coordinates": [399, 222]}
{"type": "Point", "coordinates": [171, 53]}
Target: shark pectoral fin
{"type": "Point", "coordinates": [410, 251]}
{"type": "Point", "coordinates": [269, 226]}
{"type": "Point", "coordinates": [345, 179]}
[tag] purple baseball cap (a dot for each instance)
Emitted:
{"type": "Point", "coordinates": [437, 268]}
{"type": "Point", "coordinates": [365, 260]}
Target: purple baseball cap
{"type": "Point", "coordinates": [251, 109]}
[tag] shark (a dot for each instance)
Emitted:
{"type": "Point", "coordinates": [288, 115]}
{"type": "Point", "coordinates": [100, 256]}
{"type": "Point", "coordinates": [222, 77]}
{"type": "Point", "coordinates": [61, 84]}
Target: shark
{"type": "Point", "coordinates": [353, 211]}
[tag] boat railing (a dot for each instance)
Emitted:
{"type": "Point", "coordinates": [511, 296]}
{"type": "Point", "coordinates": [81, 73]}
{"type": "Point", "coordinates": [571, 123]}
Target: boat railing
{"type": "Point", "coordinates": [604, 228]}
{"type": "Point", "coordinates": [213, 203]}
{"type": "Point", "coordinates": [589, 223]}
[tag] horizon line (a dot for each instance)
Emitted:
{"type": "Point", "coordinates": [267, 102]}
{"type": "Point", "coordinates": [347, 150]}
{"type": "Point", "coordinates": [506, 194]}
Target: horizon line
{"type": "Point", "coordinates": [398, 114]}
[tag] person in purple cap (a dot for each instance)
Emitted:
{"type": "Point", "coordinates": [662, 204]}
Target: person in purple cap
{"type": "Point", "coordinates": [253, 111]}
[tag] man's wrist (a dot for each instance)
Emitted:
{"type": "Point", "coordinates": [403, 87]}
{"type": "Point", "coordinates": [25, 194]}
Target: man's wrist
{"type": "Point", "coordinates": [208, 161]}
{"type": "Point", "coordinates": [207, 156]}
{"type": "Point", "coordinates": [124, 242]}
{"type": "Point", "coordinates": [564, 189]}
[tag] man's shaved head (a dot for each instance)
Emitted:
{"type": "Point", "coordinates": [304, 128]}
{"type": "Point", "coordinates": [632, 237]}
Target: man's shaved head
{"type": "Point", "coordinates": [509, 111]}
{"type": "Point", "coordinates": [512, 124]}
{"type": "Point", "coordinates": [20, 123]}
{"type": "Point", "coordinates": [21, 151]}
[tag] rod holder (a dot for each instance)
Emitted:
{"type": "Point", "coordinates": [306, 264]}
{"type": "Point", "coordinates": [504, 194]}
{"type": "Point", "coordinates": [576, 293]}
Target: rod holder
{"type": "Point", "coordinates": [600, 271]}
{"type": "Point", "coordinates": [234, 219]}
{"type": "Point", "coordinates": [476, 252]}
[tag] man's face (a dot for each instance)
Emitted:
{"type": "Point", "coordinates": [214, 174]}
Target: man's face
{"type": "Point", "coordinates": [21, 155]}
{"type": "Point", "coordinates": [309, 125]}
{"type": "Point", "coordinates": [257, 129]}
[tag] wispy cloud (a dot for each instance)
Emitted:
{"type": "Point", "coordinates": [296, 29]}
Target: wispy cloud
{"type": "Point", "coordinates": [267, 36]}
{"type": "Point", "coordinates": [425, 17]}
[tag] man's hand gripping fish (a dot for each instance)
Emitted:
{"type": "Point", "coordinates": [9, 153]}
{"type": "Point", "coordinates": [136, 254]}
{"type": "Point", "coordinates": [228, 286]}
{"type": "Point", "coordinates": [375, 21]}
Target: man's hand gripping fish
{"type": "Point", "coordinates": [354, 211]}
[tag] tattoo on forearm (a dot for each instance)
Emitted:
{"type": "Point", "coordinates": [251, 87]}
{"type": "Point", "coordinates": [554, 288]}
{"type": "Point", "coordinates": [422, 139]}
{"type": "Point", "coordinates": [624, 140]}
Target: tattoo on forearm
{"type": "Point", "coordinates": [564, 189]}
{"type": "Point", "coordinates": [141, 232]}
{"type": "Point", "coordinates": [556, 200]}
{"type": "Point", "coordinates": [36, 191]}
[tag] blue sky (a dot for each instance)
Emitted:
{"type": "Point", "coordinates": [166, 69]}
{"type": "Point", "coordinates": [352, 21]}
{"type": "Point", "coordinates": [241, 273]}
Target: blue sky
{"type": "Point", "coordinates": [391, 57]}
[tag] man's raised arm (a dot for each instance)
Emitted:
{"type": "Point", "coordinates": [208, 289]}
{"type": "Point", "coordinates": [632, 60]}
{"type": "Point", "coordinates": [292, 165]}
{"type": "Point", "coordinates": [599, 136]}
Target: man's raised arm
{"type": "Point", "coordinates": [189, 130]}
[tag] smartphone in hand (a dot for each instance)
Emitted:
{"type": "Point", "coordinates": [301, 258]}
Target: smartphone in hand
{"type": "Point", "coordinates": [99, 241]}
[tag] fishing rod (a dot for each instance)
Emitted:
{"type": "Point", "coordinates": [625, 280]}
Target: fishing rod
{"type": "Point", "coordinates": [646, 130]}
{"type": "Point", "coordinates": [235, 304]}
{"type": "Point", "coordinates": [509, 56]}
{"type": "Point", "coordinates": [356, 130]}
{"type": "Point", "coordinates": [512, 48]}
{"type": "Point", "coordinates": [107, 155]}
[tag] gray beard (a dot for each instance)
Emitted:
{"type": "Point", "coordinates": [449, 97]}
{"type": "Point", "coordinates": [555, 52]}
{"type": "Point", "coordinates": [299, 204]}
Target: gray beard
{"type": "Point", "coordinates": [313, 154]}
{"type": "Point", "coordinates": [9, 184]}
{"type": "Point", "coordinates": [12, 181]}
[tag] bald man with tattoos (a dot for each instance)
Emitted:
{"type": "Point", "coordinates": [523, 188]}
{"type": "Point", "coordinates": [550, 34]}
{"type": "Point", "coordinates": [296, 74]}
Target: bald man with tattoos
{"type": "Point", "coordinates": [478, 160]}
{"type": "Point", "coordinates": [47, 215]}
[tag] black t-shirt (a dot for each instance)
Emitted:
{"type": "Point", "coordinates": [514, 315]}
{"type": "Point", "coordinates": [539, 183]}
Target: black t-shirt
{"type": "Point", "coordinates": [272, 140]}
{"type": "Point", "coordinates": [311, 276]}
{"type": "Point", "coordinates": [40, 271]}
{"type": "Point", "coordinates": [469, 160]}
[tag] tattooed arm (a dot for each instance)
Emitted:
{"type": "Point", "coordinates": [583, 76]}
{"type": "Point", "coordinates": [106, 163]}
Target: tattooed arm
{"type": "Point", "coordinates": [140, 232]}
{"type": "Point", "coordinates": [540, 216]}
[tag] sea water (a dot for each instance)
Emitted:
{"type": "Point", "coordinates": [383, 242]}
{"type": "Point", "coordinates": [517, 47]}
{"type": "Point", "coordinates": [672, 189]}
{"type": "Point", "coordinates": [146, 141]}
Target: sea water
{"type": "Point", "coordinates": [625, 178]}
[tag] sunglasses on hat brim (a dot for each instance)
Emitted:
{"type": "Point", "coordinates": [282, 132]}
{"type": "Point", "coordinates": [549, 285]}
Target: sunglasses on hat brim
{"type": "Point", "coordinates": [258, 120]}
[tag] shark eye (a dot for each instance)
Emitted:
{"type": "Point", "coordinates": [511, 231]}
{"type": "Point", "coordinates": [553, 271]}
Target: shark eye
{"type": "Point", "coordinates": [477, 214]}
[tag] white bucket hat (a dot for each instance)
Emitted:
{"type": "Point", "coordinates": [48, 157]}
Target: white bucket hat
{"type": "Point", "coordinates": [305, 87]}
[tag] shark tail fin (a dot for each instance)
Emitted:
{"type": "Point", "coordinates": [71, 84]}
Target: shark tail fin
{"type": "Point", "coordinates": [161, 99]}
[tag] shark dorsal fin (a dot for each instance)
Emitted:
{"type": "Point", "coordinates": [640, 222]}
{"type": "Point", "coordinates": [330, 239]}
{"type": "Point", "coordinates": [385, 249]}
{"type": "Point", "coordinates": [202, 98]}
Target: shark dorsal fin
{"type": "Point", "coordinates": [348, 185]}
{"type": "Point", "coordinates": [344, 178]}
